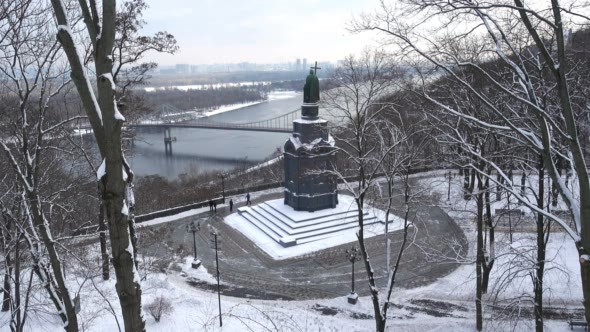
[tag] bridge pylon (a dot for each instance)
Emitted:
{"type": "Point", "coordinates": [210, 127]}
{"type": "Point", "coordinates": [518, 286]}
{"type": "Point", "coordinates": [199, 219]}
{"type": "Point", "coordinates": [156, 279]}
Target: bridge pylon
{"type": "Point", "coordinates": [168, 139]}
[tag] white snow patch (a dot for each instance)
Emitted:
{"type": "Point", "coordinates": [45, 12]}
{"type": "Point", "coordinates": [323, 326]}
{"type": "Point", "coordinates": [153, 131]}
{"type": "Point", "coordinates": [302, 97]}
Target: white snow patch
{"type": "Point", "coordinates": [101, 170]}
{"type": "Point", "coordinates": [109, 77]}
{"type": "Point", "coordinates": [118, 114]}
{"type": "Point", "coordinates": [125, 208]}
{"type": "Point", "coordinates": [177, 216]}
{"type": "Point", "coordinates": [200, 274]}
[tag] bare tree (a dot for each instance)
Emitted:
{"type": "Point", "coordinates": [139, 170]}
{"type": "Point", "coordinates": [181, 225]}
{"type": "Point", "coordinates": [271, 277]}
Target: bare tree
{"type": "Point", "coordinates": [357, 106]}
{"type": "Point", "coordinates": [30, 61]}
{"type": "Point", "coordinates": [522, 38]}
{"type": "Point", "coordinates": [114, 174]}
{"type": "Point", "coordinates": [128, 51]}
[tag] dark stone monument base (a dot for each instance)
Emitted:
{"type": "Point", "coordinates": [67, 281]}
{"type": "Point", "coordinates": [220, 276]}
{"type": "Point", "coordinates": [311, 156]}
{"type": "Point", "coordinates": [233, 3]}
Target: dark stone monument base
{"type": "Point", "coordinates": [310, 111]}
{"type": "Point", "coordinates": [309, 156]}
{"type": "Point", "coordinates": [308, 130]}
{"type": "Point", "coordinates": [311, 203]}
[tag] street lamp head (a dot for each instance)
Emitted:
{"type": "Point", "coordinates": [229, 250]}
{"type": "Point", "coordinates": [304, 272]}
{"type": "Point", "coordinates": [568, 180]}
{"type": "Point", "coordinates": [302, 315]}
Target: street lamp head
{"type": "Point", "coordinates": [352, 254]}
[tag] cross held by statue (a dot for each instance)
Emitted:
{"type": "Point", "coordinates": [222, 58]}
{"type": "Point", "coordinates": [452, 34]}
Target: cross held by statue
{"type": "Point", "coordinates": [315, 68]}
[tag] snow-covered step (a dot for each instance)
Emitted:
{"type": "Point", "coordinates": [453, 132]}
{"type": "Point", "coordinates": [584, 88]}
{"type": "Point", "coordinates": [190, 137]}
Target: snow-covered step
{"type": "Point", "coordinates": [308, 222]}
{"type": "Point", "coordinates": [260, 225]}
{"type": "Point", "coordinates": [281, 228]}
{"type": "Point", "coordinates": [329, 223]}
{"type": "Point", "coordinates": [288, 227]}
{"type": "Point", "coordinates": [303, 216]}
{"type": "Point", "coordinates": [322, 236]}
{"type": "Point", "coordinates": [331, 230]}
{"type": "Point", "coordinates": [267, 228]}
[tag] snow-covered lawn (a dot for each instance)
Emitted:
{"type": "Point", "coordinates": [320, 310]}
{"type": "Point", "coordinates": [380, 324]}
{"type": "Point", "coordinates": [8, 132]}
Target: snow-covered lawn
{"type": "Point", "coordinates": [197, 310]}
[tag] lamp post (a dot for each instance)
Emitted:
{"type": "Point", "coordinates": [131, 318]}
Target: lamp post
{"type": "Point", "coordinates": [449, 176]}
{"type": "Point", "coordinates": [352, 256]}
{"type": "Point", "coordinates": [213, 232]}
{"type": "Point", "coordinates": [222, 176]}
{"type": "Point", "coordinates": [192, 228]}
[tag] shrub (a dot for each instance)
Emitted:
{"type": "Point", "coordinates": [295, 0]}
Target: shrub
{"type": "Point", "coordinates": [159, 307]}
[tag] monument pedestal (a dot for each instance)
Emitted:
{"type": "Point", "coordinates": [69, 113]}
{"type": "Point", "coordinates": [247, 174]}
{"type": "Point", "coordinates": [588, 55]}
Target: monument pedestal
{"type": "Point", "coordinates": [309, 157]}
{"type": "Point", "coordinates": [289, 227]}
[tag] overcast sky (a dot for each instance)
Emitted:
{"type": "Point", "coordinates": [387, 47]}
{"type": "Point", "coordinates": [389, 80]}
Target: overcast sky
{"type": "Point", "coordinates": [261, 31]}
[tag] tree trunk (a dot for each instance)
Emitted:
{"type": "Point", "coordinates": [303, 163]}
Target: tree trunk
{"type": "Point", "coordinates": [538, 279]}
{"type": "Point", "coordinates": [472, 182]}
{"type": "Point", "coordinates": [500, 181]}
{"type": "Point", "coordinates": [523, 182]}
{"type": "Point", "coordinates": [70, 319]}
{"type": "Point", "coordinates": [379, 319]}
{"type": "Point", "coordinates": [489, 263]}
{"type": "Point", "coordinates": [466, 185]}
{"type": "Point", "coordinates": [104, 253]}
{"type": "Point", "coordinates": [106, 122]}
{"type": "Point", "coordinates": [479, 264]}
{"type": "Point", "coordinates": [6, 290]}
{"type": "Point", "coordinates": [16, 319]}
{"type": "Point", "coordinates": [128, 286]}
{"type": "Point", "coordinates": [8, 266]}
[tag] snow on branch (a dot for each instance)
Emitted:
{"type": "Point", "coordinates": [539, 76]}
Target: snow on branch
{"type": "Point", "coordinates": [101, 170]}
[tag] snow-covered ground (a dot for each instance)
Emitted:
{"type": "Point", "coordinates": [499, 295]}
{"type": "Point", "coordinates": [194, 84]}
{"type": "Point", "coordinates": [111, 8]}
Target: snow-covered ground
{"type": "Point", "coordinates": [162, 220]}
{"type": "Point", "coordinates": [510, 278]}
{"type": "Point", "coordinates": [197, 310]}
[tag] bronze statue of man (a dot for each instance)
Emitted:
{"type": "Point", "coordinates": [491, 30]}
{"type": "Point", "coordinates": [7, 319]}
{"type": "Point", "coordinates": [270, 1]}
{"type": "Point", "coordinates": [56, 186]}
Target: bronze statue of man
{"type": "Point", "coordinates": [311, 89]}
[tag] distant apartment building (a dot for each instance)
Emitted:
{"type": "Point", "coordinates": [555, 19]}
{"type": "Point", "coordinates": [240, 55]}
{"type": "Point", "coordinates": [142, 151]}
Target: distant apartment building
{"type": "Point", "coordinates": [182, 68]}
{"type": "Point", "coordinates": [304, 64]}
{"type": "Point", "coordinates": [298, 65]}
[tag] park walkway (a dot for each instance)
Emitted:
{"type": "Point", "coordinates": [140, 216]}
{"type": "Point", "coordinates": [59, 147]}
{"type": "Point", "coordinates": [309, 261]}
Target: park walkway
{"type": "Point", "coordinates": [247, 271]}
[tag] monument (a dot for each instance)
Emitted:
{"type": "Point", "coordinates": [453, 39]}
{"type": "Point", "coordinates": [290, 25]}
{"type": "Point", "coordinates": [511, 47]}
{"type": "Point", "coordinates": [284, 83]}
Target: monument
{"type": "Point", "coordinates": [310, 184]}
{"type": "Point", "coordinates": [311, 215]}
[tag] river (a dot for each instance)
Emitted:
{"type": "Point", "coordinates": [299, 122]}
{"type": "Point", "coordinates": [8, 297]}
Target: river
{"type": "Point", "coordinates": [202, 150]}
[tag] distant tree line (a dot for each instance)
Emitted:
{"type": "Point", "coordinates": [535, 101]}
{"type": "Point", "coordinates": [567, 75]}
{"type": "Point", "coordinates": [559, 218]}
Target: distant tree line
{"type": "Point", "coordinates": [204, 99]}
{"type": "Point", "coordinates": [229, 77]}
{"type": "Point", "coordinates": [294, 85]}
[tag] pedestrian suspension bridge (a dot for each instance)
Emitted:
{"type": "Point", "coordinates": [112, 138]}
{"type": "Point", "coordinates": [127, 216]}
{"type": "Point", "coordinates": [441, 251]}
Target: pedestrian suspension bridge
{"type": "Point", "coordinates": [174, 118]}
{"type": "Point", "coordinates": [171, 117]}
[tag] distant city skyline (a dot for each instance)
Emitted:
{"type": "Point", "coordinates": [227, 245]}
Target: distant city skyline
{"type": "Point", "coordinates": [259, 31]}
{"type": "Point", "coordinates": [299, 64]}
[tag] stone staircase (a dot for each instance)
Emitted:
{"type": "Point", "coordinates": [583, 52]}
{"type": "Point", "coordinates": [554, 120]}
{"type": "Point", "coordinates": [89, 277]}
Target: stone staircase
{"type": "Point", "coordinates": [289, 228]}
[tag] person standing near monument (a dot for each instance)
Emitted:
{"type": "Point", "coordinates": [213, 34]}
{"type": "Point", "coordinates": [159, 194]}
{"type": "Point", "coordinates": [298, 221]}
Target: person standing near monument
{"type": "Point", "coordinates": [248, 203]}
{"type": "Point", "coordinates": [231, 205]}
